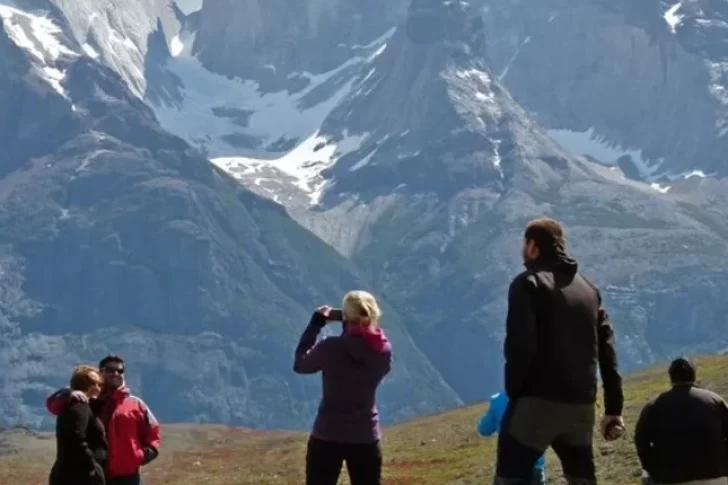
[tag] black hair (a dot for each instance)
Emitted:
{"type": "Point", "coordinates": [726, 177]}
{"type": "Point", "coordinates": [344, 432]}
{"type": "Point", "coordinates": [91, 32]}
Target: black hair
{"type": "Point", "coordinates": [109, 359]}
{"type": "Point", "coordinates": [682, 371]}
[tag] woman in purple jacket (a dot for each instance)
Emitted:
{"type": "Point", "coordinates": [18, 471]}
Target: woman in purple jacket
{"type": "Point", "coordinates": [352, 366]}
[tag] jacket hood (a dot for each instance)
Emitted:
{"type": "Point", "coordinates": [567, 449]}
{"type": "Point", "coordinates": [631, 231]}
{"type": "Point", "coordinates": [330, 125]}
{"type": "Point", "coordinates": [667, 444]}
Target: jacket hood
{"type": "Point", "coordinates": [557, 261]}
{"type": "Point", "coordinates": [374, 337]}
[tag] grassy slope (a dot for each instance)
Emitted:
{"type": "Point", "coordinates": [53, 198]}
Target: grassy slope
{"type": "Point", "coordinates": [434, 450]}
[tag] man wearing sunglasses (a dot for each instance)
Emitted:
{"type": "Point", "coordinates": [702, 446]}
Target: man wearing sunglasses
{"type": "Point", "coordinates": [132, 431]}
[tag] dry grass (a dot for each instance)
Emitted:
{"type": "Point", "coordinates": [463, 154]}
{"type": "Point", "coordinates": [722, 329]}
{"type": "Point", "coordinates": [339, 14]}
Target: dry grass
{"type": "Point", "coordinates": [435, 450]}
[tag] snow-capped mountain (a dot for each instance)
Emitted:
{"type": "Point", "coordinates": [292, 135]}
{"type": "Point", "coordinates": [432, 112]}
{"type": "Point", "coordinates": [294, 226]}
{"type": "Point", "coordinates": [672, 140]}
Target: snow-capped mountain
{"type": "Point", "coordinates": [415, 138]}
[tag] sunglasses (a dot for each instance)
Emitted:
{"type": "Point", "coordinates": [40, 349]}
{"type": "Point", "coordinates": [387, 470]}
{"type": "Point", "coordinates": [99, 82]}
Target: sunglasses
{"type": "Point", "coordinates": [114, 370]}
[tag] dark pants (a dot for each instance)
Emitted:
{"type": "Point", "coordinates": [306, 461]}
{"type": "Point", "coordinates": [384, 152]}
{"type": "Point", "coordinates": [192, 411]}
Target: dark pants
{"type": "Point", "coordinates": [324, 460]}
{"type": "Point", "coordinates": [531, 425]}
{"type": "Point", "coordinates": [128, 480]}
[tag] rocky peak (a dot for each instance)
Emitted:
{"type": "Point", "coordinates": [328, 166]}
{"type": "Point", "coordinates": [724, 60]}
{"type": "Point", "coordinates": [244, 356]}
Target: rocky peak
{"type": "Point", "coordinates": [433, 115]}
{"type": "Point", "coordinates": [268, 40]}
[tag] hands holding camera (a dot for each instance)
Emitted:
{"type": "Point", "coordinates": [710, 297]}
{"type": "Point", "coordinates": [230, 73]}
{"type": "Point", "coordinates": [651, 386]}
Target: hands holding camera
{"type": "Point", "coordinates": [330, 314]}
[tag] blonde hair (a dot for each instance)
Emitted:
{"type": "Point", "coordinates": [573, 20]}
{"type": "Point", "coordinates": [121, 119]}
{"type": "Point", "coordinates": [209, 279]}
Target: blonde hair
{"type": "Point", "coordinates": [361, 308]}
{"type": "Point", "coordinates": [84, 377]}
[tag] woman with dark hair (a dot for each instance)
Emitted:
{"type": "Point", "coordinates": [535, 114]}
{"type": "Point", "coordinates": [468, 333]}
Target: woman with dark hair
{"type": "Point", "coordinates": [352, 366]}
{"type": "Point", "coordinates": [81, 446]}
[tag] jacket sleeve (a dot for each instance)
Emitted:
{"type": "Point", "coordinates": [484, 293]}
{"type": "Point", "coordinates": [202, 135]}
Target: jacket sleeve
{"type": "Point", "coordinates": [520, 341]}
{"type": "Point", "coordinates": [74, 423]}
{"type": "Point", "coordinates": [150, 433]}
{"type": "Point", "coordinates": [56, 402]}
{"type": "Point", "coordinates": [643, 438]}
{"type": "Point", "coordinates": [608, 365]}
{"type": "Point", "coordinates": [724, 413]}
{"type": "Point", "coordinates": [387, 365]}
{"type": "Point", "coordinates": [310, 357]}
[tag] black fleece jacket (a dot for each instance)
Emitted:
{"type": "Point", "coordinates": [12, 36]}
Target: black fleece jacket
{"type": "Point", "coordinates": [682, 436]}
{"type": "Point", "coordinates": [557, 335]}
{"type": "Point", "coordinates": [81, 447]}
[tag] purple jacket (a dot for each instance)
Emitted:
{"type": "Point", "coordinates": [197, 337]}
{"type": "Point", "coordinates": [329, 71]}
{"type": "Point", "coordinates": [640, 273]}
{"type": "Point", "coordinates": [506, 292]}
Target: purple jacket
{"type": "Point", "coordinates": [352, 366]}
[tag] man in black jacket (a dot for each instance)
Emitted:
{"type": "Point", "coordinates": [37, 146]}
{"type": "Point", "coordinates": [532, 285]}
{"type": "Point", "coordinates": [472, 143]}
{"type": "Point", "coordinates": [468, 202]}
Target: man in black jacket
{"type": "Point", "coordinates": [557, 335]}
{"type": "Point", "coordinates": [682, 435]}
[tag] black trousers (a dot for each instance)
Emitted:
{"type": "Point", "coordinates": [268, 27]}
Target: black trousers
{"type": "Point", "coordinates": [324, 460]}
{"type": "Point", "coordinates": [532, 425]}
{"type": "Point", "coordinates": [135, 479]}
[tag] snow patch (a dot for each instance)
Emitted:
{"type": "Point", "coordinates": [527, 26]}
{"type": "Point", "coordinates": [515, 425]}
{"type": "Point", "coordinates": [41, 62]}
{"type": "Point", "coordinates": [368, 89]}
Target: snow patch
{"type": "Point", "coordinates": [660, 188]}
{"type": "Point", "coordinates": [672, 18]}
{"type": "Point", "coordinates": [176, 46]}
{"type": "Point", "coordinates": [377, 53]}
{"type": "Point", "coordinates": [482, 76]}
{"type": "Point", "coordinates": [688, 175]}
{"type": "Point", "coordinates": [497, 157]}
{"type": "Point", "coordinates": [217, 111]}
{"type": "Point", "coordinates": [90, 51]}
{"type": "Point", "coordinates": [483, 79]}
{"type": "Point", "coordinates": [303, 165]}
{"type": "Point", "coordinates": [90, 159]}
{"type": "Point", "coordinates": [587, 143]}
{"type": "Point", "coordinates": [694, 173]}
{"type": "Point", "coordinates": [39, 37]}
{"type": "Point", "coordinates": [363, 162]}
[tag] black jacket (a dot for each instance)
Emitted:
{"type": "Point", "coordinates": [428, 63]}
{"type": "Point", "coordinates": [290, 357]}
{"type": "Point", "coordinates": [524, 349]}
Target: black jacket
{"type": "Point", "coordinates": [81, 447]}
{"type": "Point", "coordinates": [683, 436]}
{"type": "Point", "coordinates": [557, 335]}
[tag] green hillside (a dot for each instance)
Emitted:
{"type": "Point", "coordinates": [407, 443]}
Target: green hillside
{"type": "Point", "coordinates": [434, 450]}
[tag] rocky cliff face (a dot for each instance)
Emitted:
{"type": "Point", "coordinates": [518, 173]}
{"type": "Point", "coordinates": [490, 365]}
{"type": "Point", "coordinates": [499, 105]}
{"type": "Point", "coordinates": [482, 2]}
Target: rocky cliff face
{"type": "Point", "coordinates": [639, 80]}
{"type": "Point", "coordinates": [270, 40]}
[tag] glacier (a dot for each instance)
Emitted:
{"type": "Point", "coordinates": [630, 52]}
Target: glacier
{"type": "Point", "coordinates": [262, 138]}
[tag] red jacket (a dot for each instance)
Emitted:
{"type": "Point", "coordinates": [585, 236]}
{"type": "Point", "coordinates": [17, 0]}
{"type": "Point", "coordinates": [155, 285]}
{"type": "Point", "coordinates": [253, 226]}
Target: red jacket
{"type": "Point", "coordinates": [132, 431]}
